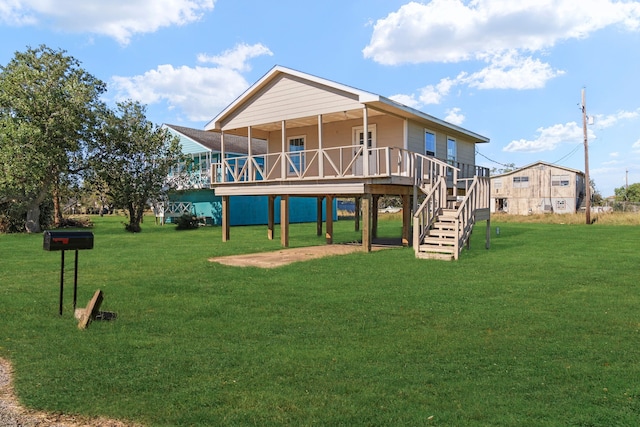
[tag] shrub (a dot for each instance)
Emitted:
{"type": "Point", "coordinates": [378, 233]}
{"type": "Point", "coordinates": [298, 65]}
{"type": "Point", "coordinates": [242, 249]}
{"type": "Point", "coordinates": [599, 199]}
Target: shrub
{"type": "Point", "coordinates": [187, 222]}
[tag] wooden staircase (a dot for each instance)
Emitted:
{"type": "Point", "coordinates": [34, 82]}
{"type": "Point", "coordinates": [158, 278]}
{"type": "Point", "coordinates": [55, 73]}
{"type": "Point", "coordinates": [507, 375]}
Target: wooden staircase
{"type": "Point", "coordinates": [441, 240]}
{"type": "Point", "coordinates": [443, 224]}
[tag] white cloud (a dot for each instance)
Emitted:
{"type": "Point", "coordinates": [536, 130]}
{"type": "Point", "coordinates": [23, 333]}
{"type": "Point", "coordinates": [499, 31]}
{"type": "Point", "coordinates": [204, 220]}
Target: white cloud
{"type": "Point", "coordinates": [236, 58]}
{"type": "Point", "coordinates": [200, 92]}
{"type": "Point", "coordinates": [549, 138]}
{"type": "Point", "coordinates": [454, 116]}
{"type": "Point", "coordinates": [452, 31]}
{"type": "Point", "coordinates": [408, 100]}
{"type": "Point", "coordinates": [604, 121]}
{"type": "Point", "coordinates": [119, 19]}
{"type": "Point", "coordinates": [614, 154]}
{"type": "Point", "coordinates": [636, 145]}
{"type": "Point", "coordinates": [504, 34]}
{"type": "Point", "coordinates": [509, 70]}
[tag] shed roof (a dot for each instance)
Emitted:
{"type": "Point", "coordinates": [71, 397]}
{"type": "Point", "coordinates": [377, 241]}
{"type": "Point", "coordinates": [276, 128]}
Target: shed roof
{"type": "Point", "coordinates": [211, 140]}
{"type": "Point", "coordinates": [540, 163]}
{"type": "Point", "coordinates": [373, 100]}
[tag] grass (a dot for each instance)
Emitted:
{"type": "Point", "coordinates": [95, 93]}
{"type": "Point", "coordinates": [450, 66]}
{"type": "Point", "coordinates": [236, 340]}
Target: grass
{"type": "Point", "coordinates": [541, 330]}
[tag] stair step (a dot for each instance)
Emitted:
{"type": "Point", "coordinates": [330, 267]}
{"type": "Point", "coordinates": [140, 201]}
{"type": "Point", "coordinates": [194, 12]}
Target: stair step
{"type": "Point", "coordinates": [445, 233]}
{"type": "Point", "coordinates": [437, 242]}
{"type": "Point", "coordinates": [433, 255]}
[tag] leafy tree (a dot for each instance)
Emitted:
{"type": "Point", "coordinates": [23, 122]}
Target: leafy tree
{"type": "Point", "coordinates": [133, 159]}
{"type": "Point", "coordinates": [507, 168]}
{"type": "Point", "coordinates": [630, 194]}
{"type": "Point", "coordinates": [48, 108]}
{"type": "Point", "coordinates": [596, 197]}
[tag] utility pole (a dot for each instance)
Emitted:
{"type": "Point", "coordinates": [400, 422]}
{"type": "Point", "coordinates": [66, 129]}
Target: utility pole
{"type": "Point", "coordinates": [586, 159]}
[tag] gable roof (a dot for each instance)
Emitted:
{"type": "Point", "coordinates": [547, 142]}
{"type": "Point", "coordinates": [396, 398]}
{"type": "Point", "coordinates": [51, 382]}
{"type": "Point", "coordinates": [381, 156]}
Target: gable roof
{"type": "Point", "coordinates": [211, 140]}
{"type": "Point", "coordinates": [539, 163]}
{"type": "Point", "coordinates": [377, 102]}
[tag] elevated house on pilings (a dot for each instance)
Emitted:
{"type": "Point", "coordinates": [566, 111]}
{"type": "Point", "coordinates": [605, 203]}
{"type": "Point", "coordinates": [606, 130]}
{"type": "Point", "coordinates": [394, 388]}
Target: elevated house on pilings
{"type": "Point", "coordinates": [328, 140]}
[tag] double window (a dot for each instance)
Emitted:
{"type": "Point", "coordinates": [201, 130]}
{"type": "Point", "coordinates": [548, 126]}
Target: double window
{"type": "Point", "coordinates": [520, 181]}
{"type": "Point", "coordinates": [560, 180]}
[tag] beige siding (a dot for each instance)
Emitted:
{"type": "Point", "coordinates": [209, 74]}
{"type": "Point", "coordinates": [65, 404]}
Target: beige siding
{"type": "Point", "coordinates": [389, 133]}
{"type": "Point", "coordinates": [286, 98]}
{"type": "Point", "coordinates": [416, 137]}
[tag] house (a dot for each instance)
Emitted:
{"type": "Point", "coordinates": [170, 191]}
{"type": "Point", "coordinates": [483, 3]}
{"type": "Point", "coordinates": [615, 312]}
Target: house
{"type": "Point", "coordinates": [538, 188]}
{"type": "Point", "coordinates": [192, 182]}
{"type": "Point", "coordinates": [327, 140]}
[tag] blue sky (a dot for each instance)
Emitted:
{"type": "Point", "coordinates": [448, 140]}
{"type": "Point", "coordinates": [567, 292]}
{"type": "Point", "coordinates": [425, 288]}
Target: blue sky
{"type": "Point", "coordinates": [510, 70]}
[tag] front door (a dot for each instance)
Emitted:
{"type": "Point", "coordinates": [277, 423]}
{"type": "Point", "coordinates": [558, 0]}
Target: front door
{"type": "Point", "coordinates": [358, 142]}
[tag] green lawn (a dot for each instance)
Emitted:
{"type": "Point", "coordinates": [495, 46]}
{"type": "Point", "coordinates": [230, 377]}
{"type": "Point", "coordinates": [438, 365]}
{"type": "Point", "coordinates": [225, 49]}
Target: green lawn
{"type": "Point", "coordinates": [541, 330]}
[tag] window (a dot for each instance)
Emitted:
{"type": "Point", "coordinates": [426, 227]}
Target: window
{"type": "Point", "coordinates": [560, 180]}
{"type": "Point", "coordinates": [452, 151]}
{"type": "Point", "coordinates": [296, 154]}
{"type": "Point", "coordinates": [429, 143]}
{"type": "Point", "coordinates": [520, 181]}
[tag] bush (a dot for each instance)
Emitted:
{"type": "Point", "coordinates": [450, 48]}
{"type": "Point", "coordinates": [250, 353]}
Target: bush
{"type": "Point", "coordinates": [187, 222]}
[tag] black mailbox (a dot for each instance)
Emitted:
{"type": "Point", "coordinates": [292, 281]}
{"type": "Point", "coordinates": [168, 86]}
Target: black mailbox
{"type": "Point", "coordinates": [67, 240]}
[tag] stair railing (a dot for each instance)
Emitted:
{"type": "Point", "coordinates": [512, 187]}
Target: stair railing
{"type": "Point", "coordinates": [477, 197]}
{"type": "Point", "coordinates": [428, 211]}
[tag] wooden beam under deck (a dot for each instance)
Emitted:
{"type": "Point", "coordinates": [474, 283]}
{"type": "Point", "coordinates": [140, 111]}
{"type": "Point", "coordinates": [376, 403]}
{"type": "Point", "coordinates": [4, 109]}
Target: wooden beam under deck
{"type": "Point", "coordinates": [329, 220]}
{"type": "Point", "coordinates": [284, 221]}
{"type": "Point", "coordinates": [225, 218]}
{"type": "Point", "coordinates": [366, 222]}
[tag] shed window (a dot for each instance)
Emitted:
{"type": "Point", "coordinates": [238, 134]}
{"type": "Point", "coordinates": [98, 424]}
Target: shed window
{"type": "Point", "coordinates": [560, 180]}
{"type": "Point", "coordinates": [520, 181]}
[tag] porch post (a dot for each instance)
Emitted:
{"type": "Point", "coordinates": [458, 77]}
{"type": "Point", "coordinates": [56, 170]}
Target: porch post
{"type": "Point", "coordinates": [356, 214]}
{"type": "Point", "coordinates": [329, 218]}
{"type": "Point", "coordinates": [250, 165]}
{"type": "Point", "coordinates": [406, 219]}
{"type": "Point", "coordinates": [284, 220]}
{"type": "Point", "coordinates": [374, 215]}
{"type": "Point", "coordinates": [283, 162]}
{"type": "Point", "coordinates": [225, 219]}
{"type": "Point", "coordinates": [366, 222]}
{"type": "Point", "coordinates": [319, 215]}
{"type": "Point", "coordinates": [320, 147]}
{"type": "Point", "coordinates": [223, 175]}
{"type": "Point", "coordinates": [365, 136]}
{"type": "Point", "coordinates": [270, 216]}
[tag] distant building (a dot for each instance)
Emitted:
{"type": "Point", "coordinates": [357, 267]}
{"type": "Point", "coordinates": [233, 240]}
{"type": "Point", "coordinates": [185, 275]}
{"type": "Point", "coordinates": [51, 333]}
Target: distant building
{"type": "Point", "coordinates": [538, 188]}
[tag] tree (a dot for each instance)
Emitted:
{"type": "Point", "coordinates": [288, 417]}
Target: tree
{"type": "Point", "coordinates": [596, 197]}
{"type": "Point", "coordinates": [133, 159]}
{"type": "Point", "coordinates": [628, 194]}
{"type": "Point", "coordinates": [48, 108]}
{"type": "Point", "coordinates": [499, 171]}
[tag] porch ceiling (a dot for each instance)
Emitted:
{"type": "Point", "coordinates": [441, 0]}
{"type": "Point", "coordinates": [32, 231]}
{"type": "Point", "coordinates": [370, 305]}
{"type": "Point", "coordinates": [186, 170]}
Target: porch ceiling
{"type": "Point", "coordinates": [260, 130]}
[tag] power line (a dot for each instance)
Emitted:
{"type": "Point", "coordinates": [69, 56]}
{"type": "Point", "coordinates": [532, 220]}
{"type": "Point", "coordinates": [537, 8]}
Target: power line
{"type": "Point", "coordinates": [571, 153]}
{"type": "Point", "coordinates": [494, 161]}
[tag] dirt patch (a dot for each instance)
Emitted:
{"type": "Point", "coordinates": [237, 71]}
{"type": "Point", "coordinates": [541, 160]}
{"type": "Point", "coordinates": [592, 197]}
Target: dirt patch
{"type": "Point", "coordinates": [288, 256]}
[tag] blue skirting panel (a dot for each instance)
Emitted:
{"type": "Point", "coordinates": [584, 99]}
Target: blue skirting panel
{"type": "Point", "coordinates": [249, 210]}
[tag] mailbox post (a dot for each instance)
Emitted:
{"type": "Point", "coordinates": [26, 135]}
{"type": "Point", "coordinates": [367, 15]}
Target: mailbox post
{"type": "Point", "coordinates": [68, 240]}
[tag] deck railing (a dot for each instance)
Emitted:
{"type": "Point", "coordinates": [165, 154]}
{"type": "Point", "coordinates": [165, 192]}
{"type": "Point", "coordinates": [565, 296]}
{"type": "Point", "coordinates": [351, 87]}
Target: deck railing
{"type": "Point", "coordinates": [335, 163]}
